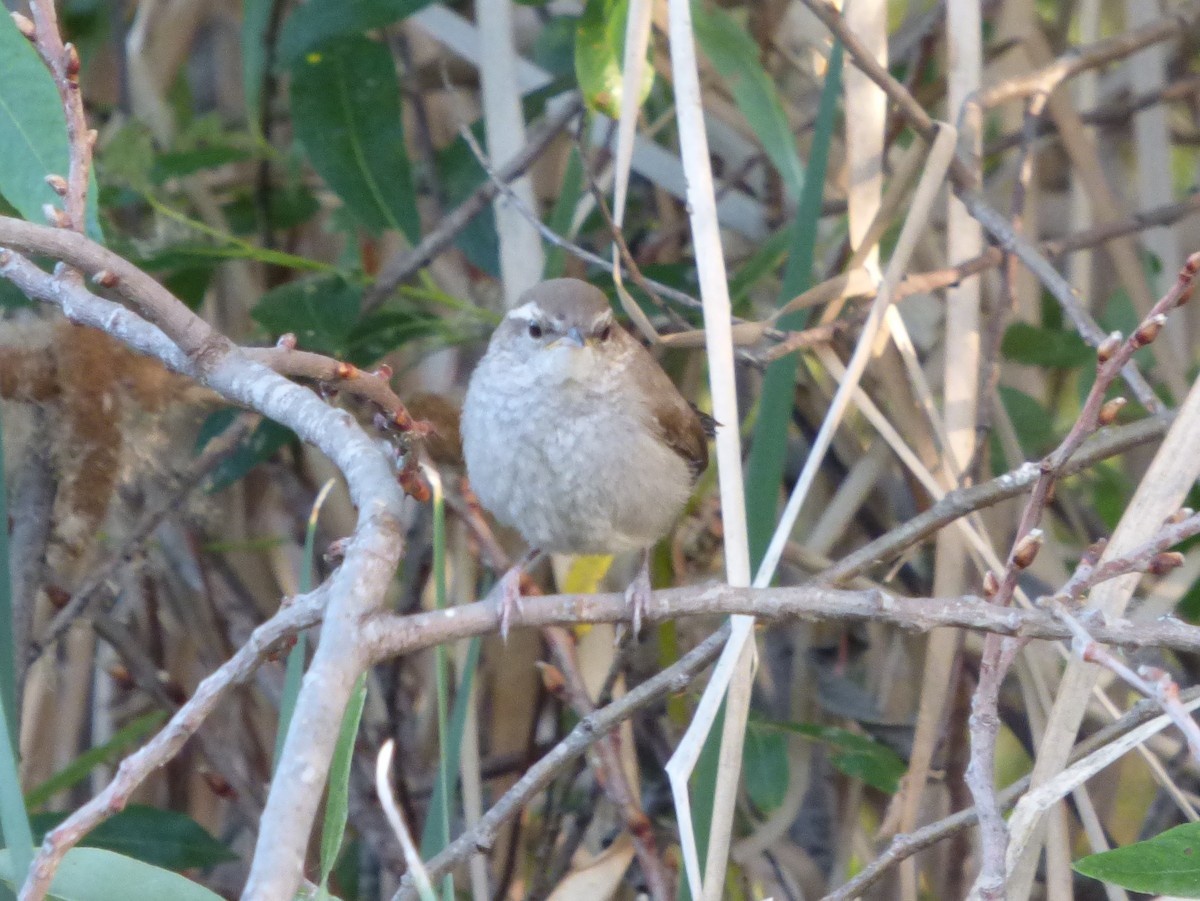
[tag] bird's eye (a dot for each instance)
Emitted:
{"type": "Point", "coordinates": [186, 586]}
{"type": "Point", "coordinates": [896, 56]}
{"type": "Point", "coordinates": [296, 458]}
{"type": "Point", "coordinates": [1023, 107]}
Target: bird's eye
{"type": "Point", "coordinates": [605, 333]}
{"type": "Point", "coordinates": [535, 330]}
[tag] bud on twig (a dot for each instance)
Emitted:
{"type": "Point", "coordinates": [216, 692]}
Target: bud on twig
{"type": "Point", "coordinates": [345, 371]}
{"type": "Point", "coordinates": [1108, 347]}
{"type": "Point", "coordinates": [58, 183]}
{"type": "Point", "coordinates": [1108, 412]}
{"type": "Point", "coordinates": [55, 216]}
{"type": "Point", "coordinates": [287, 341]}
{"type": "Point", "coordinates": [1178, 516]}
{"type": "Point", "coordinates": [1027, 548]}
{"type": "Point", "coordinates": [1161, 564]}
{"type": "Point", "coordinates": [25, 26]}
{"type": "Point", "coordinates": [384, 371]}
{"type": "Point", "coordinates": [106, 279]}
{"type": "Point", "coordinates": [120, 674]}
{"type": "Point", "coordinates": [552, 678]}
{"type": "Point", "coordinates": [1149, 330]}
{"type": "Point", "coordinates": [218, 784]}
{"type": "Point", "coordinates": [72, 56]}
{"type": "Point", "coordinates": [990, 584]}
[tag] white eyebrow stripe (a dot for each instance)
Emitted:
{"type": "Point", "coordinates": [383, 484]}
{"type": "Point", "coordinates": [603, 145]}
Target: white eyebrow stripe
{"type": "Point", "coordinates": [529, 311]}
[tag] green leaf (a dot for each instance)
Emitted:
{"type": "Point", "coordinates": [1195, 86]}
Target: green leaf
{"type": "Point", "coordinates": [12, 297]}
{"type": "Point", "coordinates": [459, 173]}
{"type": "Point", "coordinates": [855, 755]}
{"type": "Point", "coordinates": [431, 836]}
{"type": "Point", "coordinates": [1030, 419]}
{"type": "Point", "coordinates": [385, 330]}
{"type": "Point", "coordinates": [289, 207]}
{"type": "Point", "coordinates": [256, 23]}
{"type": "Point", "coordinates": [346, 114]}
{"type": "Point", "coordinates": [267, 438]}
{"type": "Point", "coordinates": [1037, 346]}
{"type": "Point", "coordinates": [93, 874]}
{"type": "Point", "coordinates": [554, 47]}
{"type": "Point", "coordinates": [735, 56]}
{"type": "Point", "coordinates": [337, 806]}
{"type": "Point", "coordinates": [127, 158]}
{"type": "Point", "coordinates": [163, 838]}
{"type": "Point", "coordinates": [179, 163]}
{"type": "Point", "coordinates": [768, 447]}
{"type": "Point", "coordinates": [1168, 864]}
{"type": "Point", "coordinates": [564, 209]}
{"type": "Point", "coordinates": [1112, 490]}
{"type": "Point", "coordinates": [79, 768]}
{"type": "Point", "coordinates": [314, 23]}
{"type": "Point", "coordinates": [320, 312]}
{"type": "Point", "coordinates": [14, 822]}
{"type": "Point", "coordinates": [33, 131]}
{"type": "Point", "coordinates": [600, 55]}
{"type": "Point", "coordinates": [765, 763]}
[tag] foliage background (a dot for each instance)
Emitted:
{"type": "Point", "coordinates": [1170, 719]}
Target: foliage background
{"type": "Point", "coordinates": [264, 160]}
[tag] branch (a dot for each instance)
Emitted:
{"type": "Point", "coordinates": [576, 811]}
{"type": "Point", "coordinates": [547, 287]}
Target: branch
{"type": "Point", "coordinates": [586, 733]}
{"type": "Point", "coordinates": [134, 770]}
{"type": "Point", "coordinates": [966, 189]}
{"type": "Point", "coordinates": [1080, 59]}
{"type": "Point", "coordinates": [63, 62]}
{"type": "Point", "coordinates": [189, 345]}
{"type": "Point", "coordinates": [389, 635]}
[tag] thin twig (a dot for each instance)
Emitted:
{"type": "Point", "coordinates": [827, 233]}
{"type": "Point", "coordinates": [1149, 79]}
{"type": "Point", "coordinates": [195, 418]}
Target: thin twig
{"type": "Point", "coordinates": [405, 264]}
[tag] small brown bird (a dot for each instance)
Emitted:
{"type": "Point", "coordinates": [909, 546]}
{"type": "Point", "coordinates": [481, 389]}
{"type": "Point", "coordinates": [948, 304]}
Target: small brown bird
{"type": "Point", "coordinates": [574, 435]}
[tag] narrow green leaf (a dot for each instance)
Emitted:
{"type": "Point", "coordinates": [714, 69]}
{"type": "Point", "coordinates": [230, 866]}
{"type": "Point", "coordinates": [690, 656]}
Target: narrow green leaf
{"type": "Point", "coordinates": [765, 763]}
{"type": "Point", "coordinates": [600, 53]}
{"type": "Point", "coordinates": [346, 114]}
{"type": "Point", "coordinates": [337, 806]}
{"type": "Point", "coordinates": [735, 56]}
{"type": "Point", "coordinates": [93, 874]}
{"type": "Point", "coordinates": [447, 751]}
{"type": "Point", "coordinates": [162, 838]}
{"type": "Point", "coordinates": [769, 443]}
{"type": "Point", "coordinates": [703, 786]}
{"type": "Point", "coordinates": [1031, 421]}
{"type": "Point", "coordinates": [1168, 864]}
{"type": "Point", "coordinates": [256, 21]}
{"type": "Point", "coordinates": [433, 832]}
{"type": "Point", "coordinates": [314, 23]}
{"type": "Point", "coordinates": [294, 672]}
{"type": "Point", "coordinates": [267, 438]}
{"type": "Point", "coordinates": [33, 131]}
{"type": "Point", "coordinates": [855, 755]}
{"type": "Point", "coordinates": [79, 768]}
{"type": "Point", "coordinates": [564, 210]}
{"type": "Point", "coordinates": [14, 821]}
{"type": "Point", "coordinates": [8, 654]}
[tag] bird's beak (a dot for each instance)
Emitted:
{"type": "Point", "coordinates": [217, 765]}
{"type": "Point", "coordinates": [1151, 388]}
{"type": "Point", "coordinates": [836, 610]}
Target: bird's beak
{"type": "Point", "coordinates": [574, 338]}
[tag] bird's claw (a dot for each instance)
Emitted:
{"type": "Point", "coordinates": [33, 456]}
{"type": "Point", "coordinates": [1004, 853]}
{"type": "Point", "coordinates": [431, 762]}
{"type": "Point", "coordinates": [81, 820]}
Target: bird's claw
{"type": "Point", "coordinates": [509, 599]}
{"type": "Point", "coordinates": [637, 596]}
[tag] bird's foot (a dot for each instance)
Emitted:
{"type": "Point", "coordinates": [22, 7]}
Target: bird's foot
{"type": "Point", "coordinates": [637, 595]}
{"type": "Point", "coordinates": [509, 599]}
{"type": "Point", "coordinates": [508, 592]}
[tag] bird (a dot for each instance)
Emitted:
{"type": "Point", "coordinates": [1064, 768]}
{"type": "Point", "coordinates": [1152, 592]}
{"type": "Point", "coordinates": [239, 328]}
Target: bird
{"type": "Point", "coordinates": [575, 436]}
